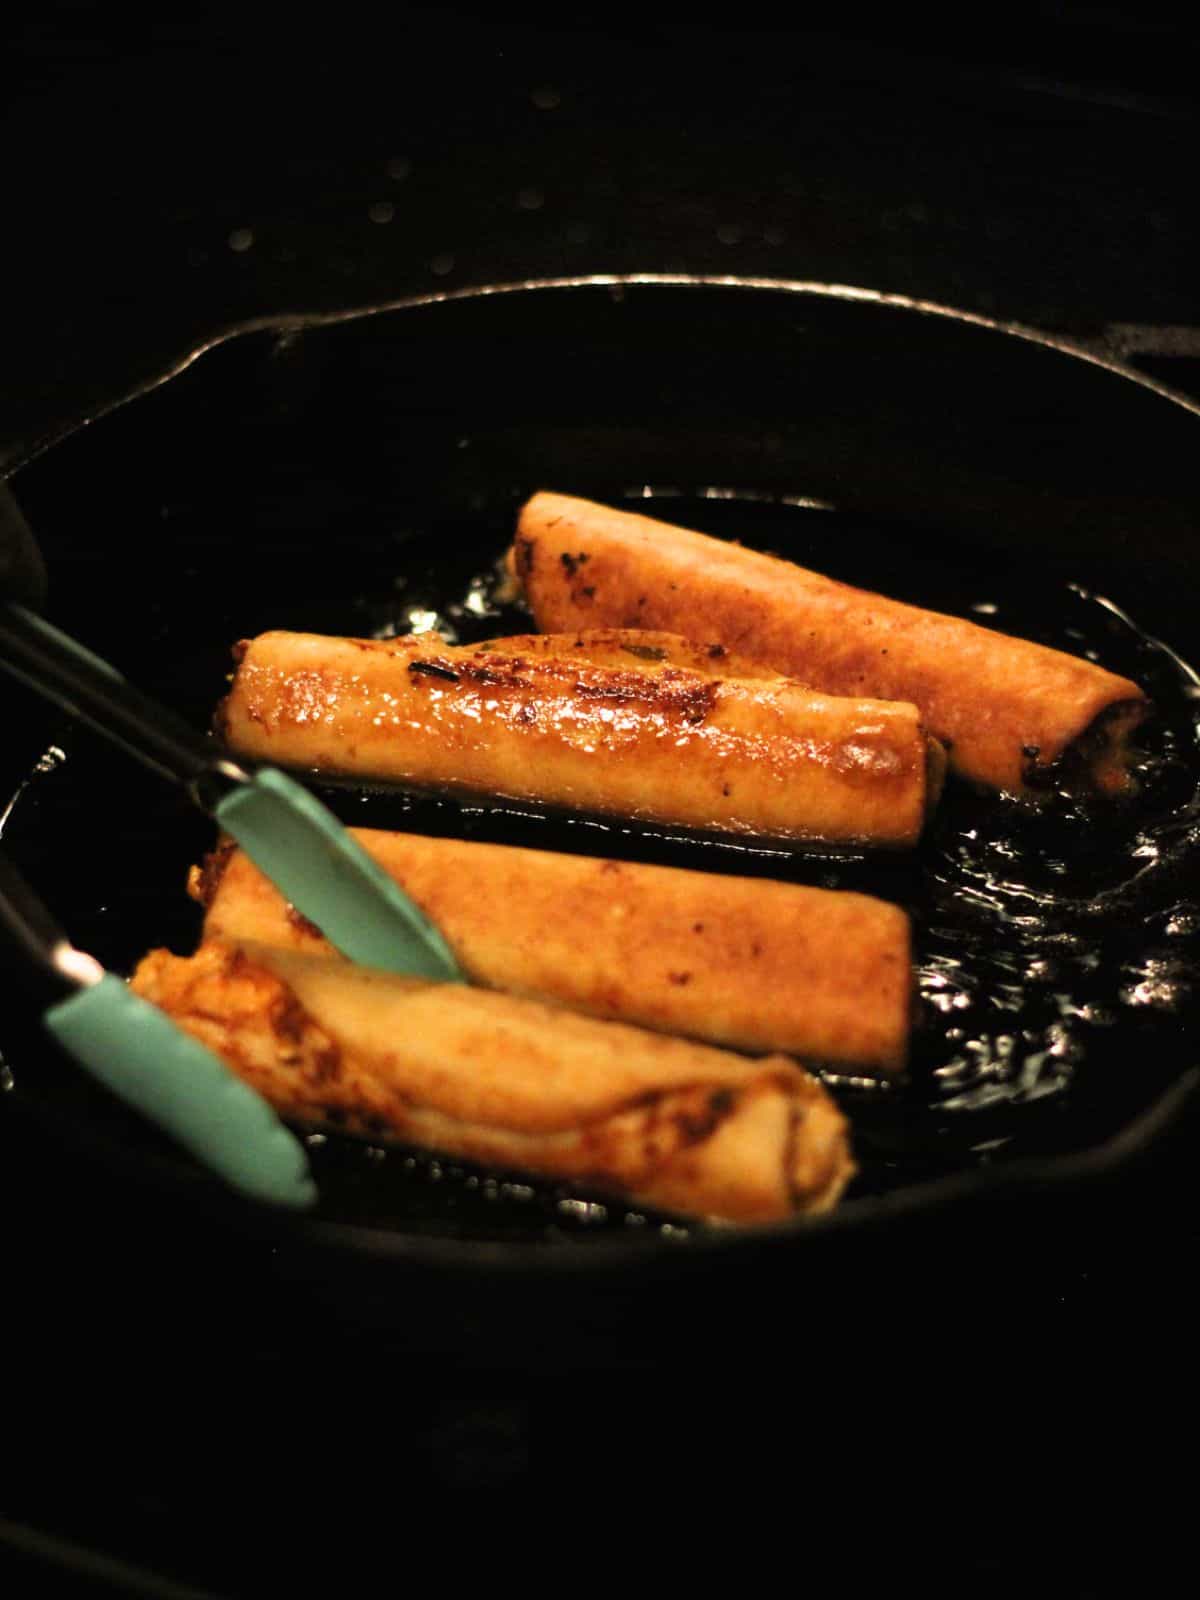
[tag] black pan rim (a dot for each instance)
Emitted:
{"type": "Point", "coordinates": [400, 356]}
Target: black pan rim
{"type": "Point", "coordinates": [703, 1242]}
{"type": "Point", "coordinates": [849, 294]}
{"type": "Point", "coordinates": [1052, 1173]}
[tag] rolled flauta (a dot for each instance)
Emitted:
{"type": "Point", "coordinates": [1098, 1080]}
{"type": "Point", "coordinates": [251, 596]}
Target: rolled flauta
{"type": "Point", "coordinates": [1011, 714]}
{"type": "Point", "coordinates": [512, 1083]}
{"type": "Point", "coordinates": [746, 963]}
{"type": "Point", "coordinates": [761, 756]}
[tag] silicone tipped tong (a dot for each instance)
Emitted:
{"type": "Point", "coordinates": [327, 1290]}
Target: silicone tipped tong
{"type": "Point", "coordinates": [284, 829]}
{"type": "Point", "coordinates": [138, 1053]}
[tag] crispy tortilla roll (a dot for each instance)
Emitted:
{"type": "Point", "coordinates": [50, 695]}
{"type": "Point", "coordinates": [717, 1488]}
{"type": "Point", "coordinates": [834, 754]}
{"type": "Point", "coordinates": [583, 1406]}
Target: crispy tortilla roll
{"type": "Point", "coordinates": [746, 963]}
{"type": "Point", "coordinates": [1011, 714]}
{"type": "Point", "coordinates": [512, 1083]}
{"type": "Point", "coordinates": [761, 756]}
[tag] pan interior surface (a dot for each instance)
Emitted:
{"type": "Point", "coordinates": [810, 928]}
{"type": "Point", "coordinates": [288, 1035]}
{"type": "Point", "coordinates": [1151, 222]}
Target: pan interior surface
{"type": "Point", "coordinates": [362, 477]}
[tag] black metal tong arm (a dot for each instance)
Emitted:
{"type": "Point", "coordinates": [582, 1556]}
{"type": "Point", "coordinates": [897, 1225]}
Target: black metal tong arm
{"type": "Point", "coordinates": [86, 687]}
{"type": "Point", "coordinates": [55, 666]}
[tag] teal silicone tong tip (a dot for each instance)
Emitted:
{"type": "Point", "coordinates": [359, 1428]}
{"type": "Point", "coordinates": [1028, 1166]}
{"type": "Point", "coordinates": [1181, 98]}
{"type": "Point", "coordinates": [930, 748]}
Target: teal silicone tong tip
{"type": "Point", "coordinates": [311, 858]}
{"type": "Point", "coordinates": [137, 1051]}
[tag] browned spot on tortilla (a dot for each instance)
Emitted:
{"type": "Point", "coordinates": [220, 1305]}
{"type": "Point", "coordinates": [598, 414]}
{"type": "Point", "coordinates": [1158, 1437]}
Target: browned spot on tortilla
{"type": "Point", "coordinates": [691, 1113]}
{"type": "Point", "coordinates": [299, 1037]}
{"type": "Point", "coordinates": [434, 669]}
{"type": "Point", "coordinates": [524, 548]}
{"type": "Point", "coordinates": [204, 880]}
{"type": "Point", "coordinates": [674, 692]}
{"type": "Point", "coordinates": [694, 1126]}
{"type": "Point", "coordinates": [288, 1017]}
{"type": "Point", "coordinates": [790, 1146]}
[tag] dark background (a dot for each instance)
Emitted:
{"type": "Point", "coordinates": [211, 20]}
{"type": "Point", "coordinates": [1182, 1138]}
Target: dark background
{"type": "Point", "coordinates": [163, 179]}
{"type": "Point", "coordinates": [180, 1397]}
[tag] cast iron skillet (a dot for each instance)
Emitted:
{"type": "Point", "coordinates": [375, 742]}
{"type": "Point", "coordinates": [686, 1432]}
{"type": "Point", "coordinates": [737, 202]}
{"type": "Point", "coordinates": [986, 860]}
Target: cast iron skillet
{"type": "Point", "coordinates": [359, 472]}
